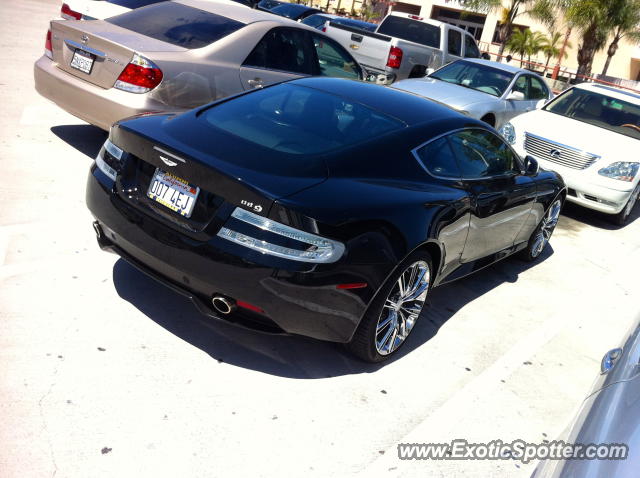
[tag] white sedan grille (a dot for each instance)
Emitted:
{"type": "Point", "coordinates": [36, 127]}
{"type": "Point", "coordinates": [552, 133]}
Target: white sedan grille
{"type": "Point", "coordinates": [558, 153]}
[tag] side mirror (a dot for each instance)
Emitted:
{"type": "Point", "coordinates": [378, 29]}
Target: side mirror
{"type": "Point", "coordinates": [531, 166]}
{"type": "Point", "coordinates": [540, 104]}
{"type": "Point", "coordinates": [485, 56]}
{"type": "Point", "coordinates": [516, 96]}
{"type": "Point", "coordinates": [428, 71]}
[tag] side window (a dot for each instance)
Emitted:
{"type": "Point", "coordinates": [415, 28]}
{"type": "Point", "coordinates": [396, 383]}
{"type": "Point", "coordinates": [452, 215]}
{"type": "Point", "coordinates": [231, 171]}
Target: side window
{"type": "Point", "coordinates": [482, 154]}
{"type": "Point", "coordinates": [454, 42]}
{"type": "Point", "coordinates": [470, 47]}
{"type": "Point", "coordinates": [537, 90]}
{"type": "Point", "coordinates": [333, 59]}
{"type": "Point", "coordinates": [522, 86]}
{"type": "Point", "coordinates": [438, 158]}
{"type": "Point", "coordinates": [283, 49]}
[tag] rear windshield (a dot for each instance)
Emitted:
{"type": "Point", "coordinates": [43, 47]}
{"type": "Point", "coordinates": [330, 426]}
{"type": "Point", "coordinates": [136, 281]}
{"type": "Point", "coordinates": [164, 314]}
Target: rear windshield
{"type": "Point", "coordinates": [411, 30]}
{"type": "Point", "coordinates": [299, 120]}
{"type": "Point", "coordinates": [599, 110]}
{"type": "Point", "coordinates": [177, 24]}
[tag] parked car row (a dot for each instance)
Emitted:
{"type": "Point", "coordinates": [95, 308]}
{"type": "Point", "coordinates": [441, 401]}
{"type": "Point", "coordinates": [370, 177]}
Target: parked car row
{"type": "Point", "coordinates": [323, 206]}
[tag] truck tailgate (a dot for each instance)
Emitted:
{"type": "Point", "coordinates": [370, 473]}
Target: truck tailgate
{"type": "Point", "coordinates": [369, 49]}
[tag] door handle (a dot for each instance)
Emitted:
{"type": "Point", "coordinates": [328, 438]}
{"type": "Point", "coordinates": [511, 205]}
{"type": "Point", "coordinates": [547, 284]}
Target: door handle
{"type": "Point", "coordinates": [255, 83]}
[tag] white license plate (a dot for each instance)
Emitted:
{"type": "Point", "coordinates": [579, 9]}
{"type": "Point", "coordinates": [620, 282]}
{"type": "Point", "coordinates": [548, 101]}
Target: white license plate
{"type": "Point", "coordinates": [173, 192]}
{"type": "Point", "coordinates": [82, 61]}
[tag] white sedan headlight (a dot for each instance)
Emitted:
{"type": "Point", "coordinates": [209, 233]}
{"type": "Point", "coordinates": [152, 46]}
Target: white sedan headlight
{"type": "Point", "coordinates": [621, 170]}
{"type": "Point", "coordinates": [508, 132]}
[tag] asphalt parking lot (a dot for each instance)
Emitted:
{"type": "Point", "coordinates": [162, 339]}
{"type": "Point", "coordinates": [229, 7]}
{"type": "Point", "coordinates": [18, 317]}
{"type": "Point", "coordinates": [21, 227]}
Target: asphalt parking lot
{"type": "Point", "coordinates": [103, 372]}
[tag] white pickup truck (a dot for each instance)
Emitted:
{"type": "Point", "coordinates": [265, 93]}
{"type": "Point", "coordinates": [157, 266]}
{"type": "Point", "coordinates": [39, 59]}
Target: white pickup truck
{"type": "Point", "coordinates": [404, 46]}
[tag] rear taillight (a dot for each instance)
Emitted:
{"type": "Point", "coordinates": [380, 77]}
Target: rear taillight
{"type": "Point", "coordinates": [68, 14]}
{"type": "Point", "coordinates": [416, 17]}
{"type": "Point", "coordinates": [109, 159]}
{"type": "Point", "coordinates": [267, 236]}
{"type": "Point", "coordinates": [395, 57]}
{"type": "Point", "coordinates": [48, 49]}
{"type": "Point", "coordinates": [139, 76]}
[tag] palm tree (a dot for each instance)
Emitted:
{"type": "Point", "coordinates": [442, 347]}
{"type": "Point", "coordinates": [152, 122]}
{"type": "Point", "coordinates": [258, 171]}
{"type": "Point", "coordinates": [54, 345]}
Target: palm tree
{"type": "Point", "coordinates": [625, 20]}
{"type": "Point", "coordinates": [542, 10]}
{"type": "Point", "coordinates": [593, 19]}
{"type": "Point", "coordinates": [552, 48]}
{"type": "Point", "coordinates": [525, 42]}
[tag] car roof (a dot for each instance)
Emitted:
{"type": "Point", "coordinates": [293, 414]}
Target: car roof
{"type": "Point", "coordinates": [238, 12]}
{"type": "Point", "coordinates": [499, 66]}
{"type": "Point", "coordinates": [407, 107]}
{"type": "Point", "coordinates": [618, 93]}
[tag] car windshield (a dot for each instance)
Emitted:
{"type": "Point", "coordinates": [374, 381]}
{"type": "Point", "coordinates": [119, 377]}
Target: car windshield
{"type": "Point", "coordinates": [411, 30]}
{"type": "Point", "coordinates": [599, 110]}
{"type": "Point", "coordinates": [298, 120]}
{"type": "Point", "coordinates": [177, 24]}
{"type": "Point", "coordinates": [492, 81]}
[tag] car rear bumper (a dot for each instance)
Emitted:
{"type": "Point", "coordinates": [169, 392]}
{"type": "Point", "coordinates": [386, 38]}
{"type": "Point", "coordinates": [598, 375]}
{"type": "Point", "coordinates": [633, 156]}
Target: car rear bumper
{"type": "Point", "coordinates": [91, 103]}
{"type": "Point", "coordinates": [292, 302]}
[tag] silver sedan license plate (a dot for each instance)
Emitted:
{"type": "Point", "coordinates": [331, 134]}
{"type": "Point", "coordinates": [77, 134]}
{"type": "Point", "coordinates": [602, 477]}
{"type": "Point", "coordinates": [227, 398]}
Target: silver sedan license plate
{"type": "Point", "coordinates": [82, 61]}
{"type": "Point", "coordinates": [173, 192]}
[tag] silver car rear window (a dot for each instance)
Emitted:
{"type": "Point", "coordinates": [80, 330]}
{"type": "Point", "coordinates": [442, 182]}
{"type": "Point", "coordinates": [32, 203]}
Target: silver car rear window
{"type": "Point", "coordinates": [177, 24]}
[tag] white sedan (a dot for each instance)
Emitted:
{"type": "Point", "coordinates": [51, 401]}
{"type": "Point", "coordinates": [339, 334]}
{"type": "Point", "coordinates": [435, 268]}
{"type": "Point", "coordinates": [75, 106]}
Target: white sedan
{"type": "Point", "coordinates": [590, 134]}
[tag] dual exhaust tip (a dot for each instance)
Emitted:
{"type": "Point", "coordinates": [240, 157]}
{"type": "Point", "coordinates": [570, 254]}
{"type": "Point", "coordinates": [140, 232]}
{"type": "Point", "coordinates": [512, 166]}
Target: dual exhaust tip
{"type": "Point", "coordinates": [223, 304]}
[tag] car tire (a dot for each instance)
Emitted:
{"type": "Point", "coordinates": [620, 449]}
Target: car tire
{"type": "Point", "coordinates": [622, 217]}
{"type": "Point", "coordinates": [388, 322]}
{"type": "Point", "coordinates": [541, 235]}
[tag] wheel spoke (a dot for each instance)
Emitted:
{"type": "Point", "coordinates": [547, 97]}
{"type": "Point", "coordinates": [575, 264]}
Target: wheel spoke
{"type": "Point", "coordinates": [385, 322]}
{"type": "Point", "coordinates": [391, 346]}
{"type": "Point", "coordinates": [381, 343]}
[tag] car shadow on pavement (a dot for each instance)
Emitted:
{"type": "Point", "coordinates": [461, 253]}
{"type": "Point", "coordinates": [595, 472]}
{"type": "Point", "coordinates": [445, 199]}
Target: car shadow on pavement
{"type": "Point", "coordinates": [86, 138]}
{"type": "Point", "coordinates": [596, 218]}
{"type": "Point", "coordinates": [295, 356]}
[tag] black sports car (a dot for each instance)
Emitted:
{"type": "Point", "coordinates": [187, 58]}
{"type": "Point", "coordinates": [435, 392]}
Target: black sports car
{"type": "Point", "coordinates": [322, 207]}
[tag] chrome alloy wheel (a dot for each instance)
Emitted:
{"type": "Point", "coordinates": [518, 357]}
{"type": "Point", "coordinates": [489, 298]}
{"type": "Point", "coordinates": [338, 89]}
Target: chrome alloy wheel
{"type": "Point", "coordinates": [402, 307]}
{"type": "Point", "coordinates": [546, 228]}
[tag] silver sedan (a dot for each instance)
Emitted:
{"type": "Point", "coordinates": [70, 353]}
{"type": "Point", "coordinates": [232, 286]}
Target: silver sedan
{"type": "Point", "coordinates": [486, 90]}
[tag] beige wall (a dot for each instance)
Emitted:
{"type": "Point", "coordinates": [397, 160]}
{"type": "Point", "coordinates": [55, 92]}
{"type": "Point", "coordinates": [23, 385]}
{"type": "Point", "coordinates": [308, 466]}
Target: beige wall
{"type": "Point", "coordinates": [622, 65]}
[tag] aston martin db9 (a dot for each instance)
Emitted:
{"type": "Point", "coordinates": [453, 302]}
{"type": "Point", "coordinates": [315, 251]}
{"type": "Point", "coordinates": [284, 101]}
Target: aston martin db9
{"type": "Point", "coordinates": [323, 207]}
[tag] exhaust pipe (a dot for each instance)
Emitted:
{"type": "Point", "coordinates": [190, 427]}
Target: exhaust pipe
{"type": "Point", "coordinates": [223, 304]}
{"type": "Point", "coordinates": [98, 229]}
